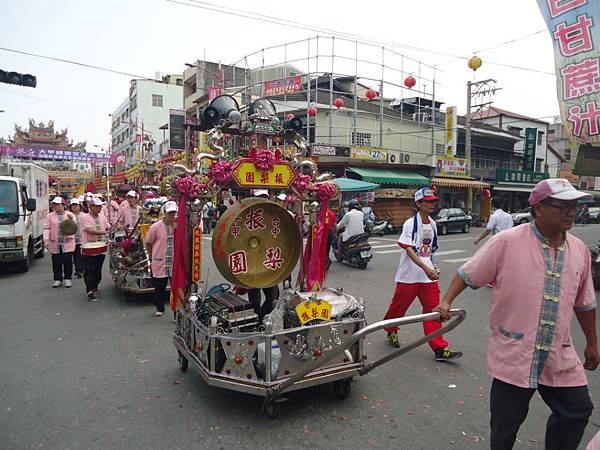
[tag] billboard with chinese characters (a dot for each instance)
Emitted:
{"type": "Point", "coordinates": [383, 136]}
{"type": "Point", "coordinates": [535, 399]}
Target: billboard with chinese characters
{"type": "Point", "coordinates": [447, 166]}
{"type": "Point", "coordinates": [52, 153]}
{"type": "Point", "coordinates": [574, 27]}
{"type": "Point", "coordinates": [519, 176]}
{"type": "Point", "coordinates": [530, 143]}
{"type": "Point", "coordinates": [284, 86]}
{"type": "Point", "coordinates": [451, 131]}
{"type": "Point", "coordinates": [368, 153]}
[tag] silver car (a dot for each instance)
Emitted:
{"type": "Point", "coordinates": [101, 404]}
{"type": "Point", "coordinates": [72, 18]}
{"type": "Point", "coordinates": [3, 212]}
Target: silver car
{"type": "Point", "coordinates": [522, 216]}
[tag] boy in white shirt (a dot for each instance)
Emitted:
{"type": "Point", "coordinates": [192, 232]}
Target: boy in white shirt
{"type": "Point", "coordinates": [416, 275]}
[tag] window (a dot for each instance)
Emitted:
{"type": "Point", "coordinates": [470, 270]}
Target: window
{"type": "Point", "coordinates": [157, 100]}
{"type": "Point", "coordinates": [361, 139]}
{"type": "Point", "coordinates": [540, 137]}
{"type": "Point", "coordinates": [514, 130]}
{"type": "Point", "coordinates": [439, 149]}
{"type": "Point", "coordinates": [179, 82]}
{"type": "Point", "coordinates": [567, 153]}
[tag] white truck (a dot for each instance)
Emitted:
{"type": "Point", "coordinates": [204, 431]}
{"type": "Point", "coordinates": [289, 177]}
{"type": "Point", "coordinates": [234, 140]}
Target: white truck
{"type": "Point", "coordinates": [23, 208]}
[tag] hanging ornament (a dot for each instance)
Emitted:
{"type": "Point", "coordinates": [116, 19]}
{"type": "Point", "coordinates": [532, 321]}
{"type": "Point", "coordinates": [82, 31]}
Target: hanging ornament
{"type": "Point", "coordinates": [371, 94]}
{"type": "Point", "coordinates": [410, 81]}
{"type": "Point", "coordinates": [338, 103]}
{"type": "Point", "coordinates": [474, 63]}
{"type": "Point", "coordinates": [485, 193]}
{"type": "Point", "coordinates": [312, 111]}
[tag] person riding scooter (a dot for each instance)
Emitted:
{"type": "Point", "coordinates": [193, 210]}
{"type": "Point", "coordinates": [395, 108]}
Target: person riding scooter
{"type": "Point", "coordinates": [353, 224]}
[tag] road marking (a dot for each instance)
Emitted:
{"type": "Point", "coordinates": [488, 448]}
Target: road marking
{"type": "Point", "coordinates": [457, 260]}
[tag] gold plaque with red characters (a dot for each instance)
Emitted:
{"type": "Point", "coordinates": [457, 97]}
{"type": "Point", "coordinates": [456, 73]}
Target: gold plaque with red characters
{"type": "Point", "coordinates": [256, 243]}
{"type": "Point", "coordinates": [246, 175]}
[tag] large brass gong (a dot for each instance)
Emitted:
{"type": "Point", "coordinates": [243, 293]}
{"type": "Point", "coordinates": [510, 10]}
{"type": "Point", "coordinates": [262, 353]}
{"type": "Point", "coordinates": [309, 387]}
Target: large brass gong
{"type": "Point", "coordinates": [256, 243]}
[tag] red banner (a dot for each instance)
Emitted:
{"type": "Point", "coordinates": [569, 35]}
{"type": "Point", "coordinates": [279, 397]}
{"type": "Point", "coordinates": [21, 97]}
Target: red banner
{"type": "Point", "coordinates": [283, 86]}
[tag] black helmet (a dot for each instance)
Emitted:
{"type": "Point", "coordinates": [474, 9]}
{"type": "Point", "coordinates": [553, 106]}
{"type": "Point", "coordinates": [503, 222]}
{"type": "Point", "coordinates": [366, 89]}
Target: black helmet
{"type": "Point", "coordinates": [353, 204]}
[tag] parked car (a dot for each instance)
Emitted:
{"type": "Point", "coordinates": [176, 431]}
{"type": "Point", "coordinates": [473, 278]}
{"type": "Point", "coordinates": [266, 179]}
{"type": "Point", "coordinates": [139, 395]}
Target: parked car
{"type": "Point", "coordinates": [451, 219]}
{"type": "Point", "coordinates": [522, 216]}
{"type": "Point", "coordinates": [594, 214]}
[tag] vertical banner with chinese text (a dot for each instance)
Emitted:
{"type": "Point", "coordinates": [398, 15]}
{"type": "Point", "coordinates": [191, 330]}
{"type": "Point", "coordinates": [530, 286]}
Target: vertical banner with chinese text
{"type": "Point", "coordinates": [530, 143]}
{"type": "Point", "coordinates": [451, 131]}
{"type": "Point", "coordinates": [574, 27]}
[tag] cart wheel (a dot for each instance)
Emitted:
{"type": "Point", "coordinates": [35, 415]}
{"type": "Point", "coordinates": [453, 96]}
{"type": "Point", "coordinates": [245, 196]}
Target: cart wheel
{"type": "Point", "coordinates": [183, 363]}
{"type": "Point", "coordinates": [342, 388]}
{"type": "Point", "coordinates": [272, 409]}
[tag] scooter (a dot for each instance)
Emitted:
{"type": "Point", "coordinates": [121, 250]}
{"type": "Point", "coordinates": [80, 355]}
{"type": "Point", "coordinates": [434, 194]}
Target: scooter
{"type": "Point", "coordinates": [595, 254]}
{"type": "Point", "coordinates": [356, 251]}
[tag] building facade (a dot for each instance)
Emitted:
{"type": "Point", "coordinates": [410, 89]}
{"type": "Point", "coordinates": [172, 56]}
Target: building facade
{"type": "Point", "coordinates": [137, 121]}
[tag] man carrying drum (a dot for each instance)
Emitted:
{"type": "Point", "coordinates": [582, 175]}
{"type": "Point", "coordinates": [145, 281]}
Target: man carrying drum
{"type": "Point", "coordinates": [159, 241]}
{"type": "Point", "coordinates": [94, 227]}
{"type": "Point", "coordinates": [129, 212]}
{"type": "Point", "coordinates": [59, 245]}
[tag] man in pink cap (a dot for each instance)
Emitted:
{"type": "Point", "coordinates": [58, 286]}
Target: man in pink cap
{"type": "Point", "coordinates": [541, 275]}
{"type": "Point", "coordinates": [416, 275]}
{"type": "Point", "coordinates": [129, 212]}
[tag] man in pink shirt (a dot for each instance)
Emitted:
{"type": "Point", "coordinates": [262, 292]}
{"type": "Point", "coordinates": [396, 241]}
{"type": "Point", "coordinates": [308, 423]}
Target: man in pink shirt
{"type": "Point", "coordinates": [94, 227]}
{"type": "Point", "coordinates": [540, 275]}
{"type": "Point", "coordinates": [61, 247]}
{"type": "Point", "coordinates": [129, 212]}
{"type": "Point", "coordinates": [159, 242]}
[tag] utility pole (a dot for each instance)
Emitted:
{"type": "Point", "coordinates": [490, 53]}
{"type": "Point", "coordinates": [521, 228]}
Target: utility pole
{"type": "Point", "coordinates": [480, 89]}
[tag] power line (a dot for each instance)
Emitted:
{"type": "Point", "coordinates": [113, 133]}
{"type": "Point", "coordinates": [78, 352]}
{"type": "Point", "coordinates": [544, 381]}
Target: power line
{"type": "Point", "coordinates": [511, 41]}
{"type": "Point", "coordinates": [64, 105]}
{"type": "Point", "coordinates": [67, 61]}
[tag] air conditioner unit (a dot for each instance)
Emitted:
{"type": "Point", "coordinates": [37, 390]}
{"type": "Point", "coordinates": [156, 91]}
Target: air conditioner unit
{"type": "Point", "coordinates": [393, 157]}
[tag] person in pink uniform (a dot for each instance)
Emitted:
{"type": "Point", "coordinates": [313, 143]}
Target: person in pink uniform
{"type": "Point", "coordinates": [94, 227]}
{"type": "Point", "coordinates": [541, 275]}
{"type": "Point", "coordinates": [129, 212]}
{"type": "Point", "coordinates": [112, 210]}
{"type": "Point", "coordinates": [75, 207]}
{"type": "Point", "coordinates": [159, 242]}
{"type": "Point", "coordinates": [61, 247]}
{"type": "Point", "coordinates": [416, 276]}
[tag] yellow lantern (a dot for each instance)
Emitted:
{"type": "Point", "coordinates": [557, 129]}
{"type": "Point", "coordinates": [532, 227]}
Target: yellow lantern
{"type": "Point", "coordinates": [474, 63]}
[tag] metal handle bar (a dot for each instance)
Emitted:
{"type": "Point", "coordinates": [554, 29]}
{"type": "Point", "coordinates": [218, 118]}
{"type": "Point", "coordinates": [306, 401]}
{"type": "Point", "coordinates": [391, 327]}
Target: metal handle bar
{"type": "Point", "coordinates": [458, 315]}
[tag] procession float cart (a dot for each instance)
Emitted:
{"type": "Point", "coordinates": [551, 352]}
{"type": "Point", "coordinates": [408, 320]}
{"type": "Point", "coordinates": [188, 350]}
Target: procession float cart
{"type": "Point", "coordinates": [314, 334]}
{"type": "Point", "coordinates": [128, 256]}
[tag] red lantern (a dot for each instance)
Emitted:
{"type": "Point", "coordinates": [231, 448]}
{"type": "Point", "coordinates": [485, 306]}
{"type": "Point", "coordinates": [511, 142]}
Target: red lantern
{"type": "Point", "coordinates": [312, 111]}
{"type": "Point", "coordinates": [371, 94]}
{"type": "Point", "coordinates": [338, 102]}
{"type": "Point", "coordinates": [410, 81]}
{"type": "Point", "coordinates": [485, 193]}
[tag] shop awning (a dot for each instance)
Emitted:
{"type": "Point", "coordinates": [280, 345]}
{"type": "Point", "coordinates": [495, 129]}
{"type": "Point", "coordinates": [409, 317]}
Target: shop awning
{"type": "Point", "coordinates": [514, 187]}
{"type": "Point", "coordinates": [390, 176]}
{"type": "Point", "coordinates": [460, 183]}
{"type": "Point", "coordinates": [350, 185]}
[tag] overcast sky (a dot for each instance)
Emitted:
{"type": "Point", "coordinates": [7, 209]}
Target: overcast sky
{"type": "Point", "coordinates": [145, 37]}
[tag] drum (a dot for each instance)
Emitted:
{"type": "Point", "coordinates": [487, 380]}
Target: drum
{"type": "Point", "coordinates": [94, 248]}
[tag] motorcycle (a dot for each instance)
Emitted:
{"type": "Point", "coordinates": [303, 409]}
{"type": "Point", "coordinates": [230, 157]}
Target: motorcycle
{"type": "Point", "coordinates": [356, 251]}
{"type": "Point", "coordinates": [595, 254]}
{"type": "Point", "coordinates": [374, 227]}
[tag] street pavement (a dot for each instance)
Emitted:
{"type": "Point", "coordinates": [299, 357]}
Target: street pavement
{"type": "Point", "coordinates": [78, 375]}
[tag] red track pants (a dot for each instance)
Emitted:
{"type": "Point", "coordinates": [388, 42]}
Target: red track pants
{"type": "Point", "coordinates": [429, 296]}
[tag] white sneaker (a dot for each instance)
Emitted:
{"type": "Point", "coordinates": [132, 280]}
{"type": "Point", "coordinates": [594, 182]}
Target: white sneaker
{"type": "Point", "coordinates": [68, 283]}
{"type": "Point", "coordinates": [158, 313]}
{"type": "Point", "coordinates": [56, 283]}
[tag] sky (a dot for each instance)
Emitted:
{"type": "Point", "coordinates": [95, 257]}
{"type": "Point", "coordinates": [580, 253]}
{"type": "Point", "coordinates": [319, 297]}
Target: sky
{"type": "Point", "coordinates": [144, 37]}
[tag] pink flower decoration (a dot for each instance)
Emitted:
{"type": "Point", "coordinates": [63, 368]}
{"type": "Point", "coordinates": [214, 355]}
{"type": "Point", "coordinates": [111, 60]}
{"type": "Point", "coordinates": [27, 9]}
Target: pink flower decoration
{"type": "Point", "coordinates": [264, 160]}
{"type": "Point", "coordinates": [150, 194]}
{"type": "Point", "coordinates": [126, 243]}
{"type": "Point", "coordinates": [325, 191]}
{"type": "Point", "coordinates": [301, 182]}
{"type": "Point", "coordinates": [220, 172]}
{"type": "Point", "coordinates": [189, 187]}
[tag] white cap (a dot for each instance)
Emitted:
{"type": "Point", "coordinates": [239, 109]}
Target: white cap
{"type": "Point", "coordinates": [74, 201]}
{"type": "Point", "coordinates": [171, 206]}
{"type": "Point", "coordinates": [132, 193]}
{"type": "Point", "coordinates": [99, 195]}
{"type": "Point", "coordinates": [97, 202]}
{"type": "Point", "coordinates": [259, 192]}
{"type": "Point", "coordinates": [282, 197]}
{"type": "Point", "coordinates": [557, 188]}
{"type": "Point", "coordinates": [58, 200]}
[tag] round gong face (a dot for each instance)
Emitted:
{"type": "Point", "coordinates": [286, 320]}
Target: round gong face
{"type": "Point", "coordinates": [256, 243]}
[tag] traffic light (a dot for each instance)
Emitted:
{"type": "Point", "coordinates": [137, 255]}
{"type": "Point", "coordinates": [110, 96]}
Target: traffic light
{"type": "Point", "coordinates": [24, 79]}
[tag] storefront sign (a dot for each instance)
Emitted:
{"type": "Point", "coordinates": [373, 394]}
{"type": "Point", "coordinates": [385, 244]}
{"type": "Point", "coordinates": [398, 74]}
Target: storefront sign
{"type": "Point", "coordinates": [447, 166]}
{"type": "Point", "coordinates": [196, 253]}
{"type": "Point", "coordinates": [395, 193]}
{"type": "Point", "coordinates": [530, 143]}
{"type": "Point", "coordinates": [57, 154]}
{"type": "Point", "coordinates": [323, 150]}
{"type": "Point", "coordinates": [245, 174]}
{"type": "Point", "coordinates": [284, 86]}
{"type": "Point", "coordinates": [519, 176]}
{"type": "Point", "coordinates": [371, 154]}
{"type": "Point", "coordinates": [176, 130]}
{"type": "Point", "coordinates": [451, 132]}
